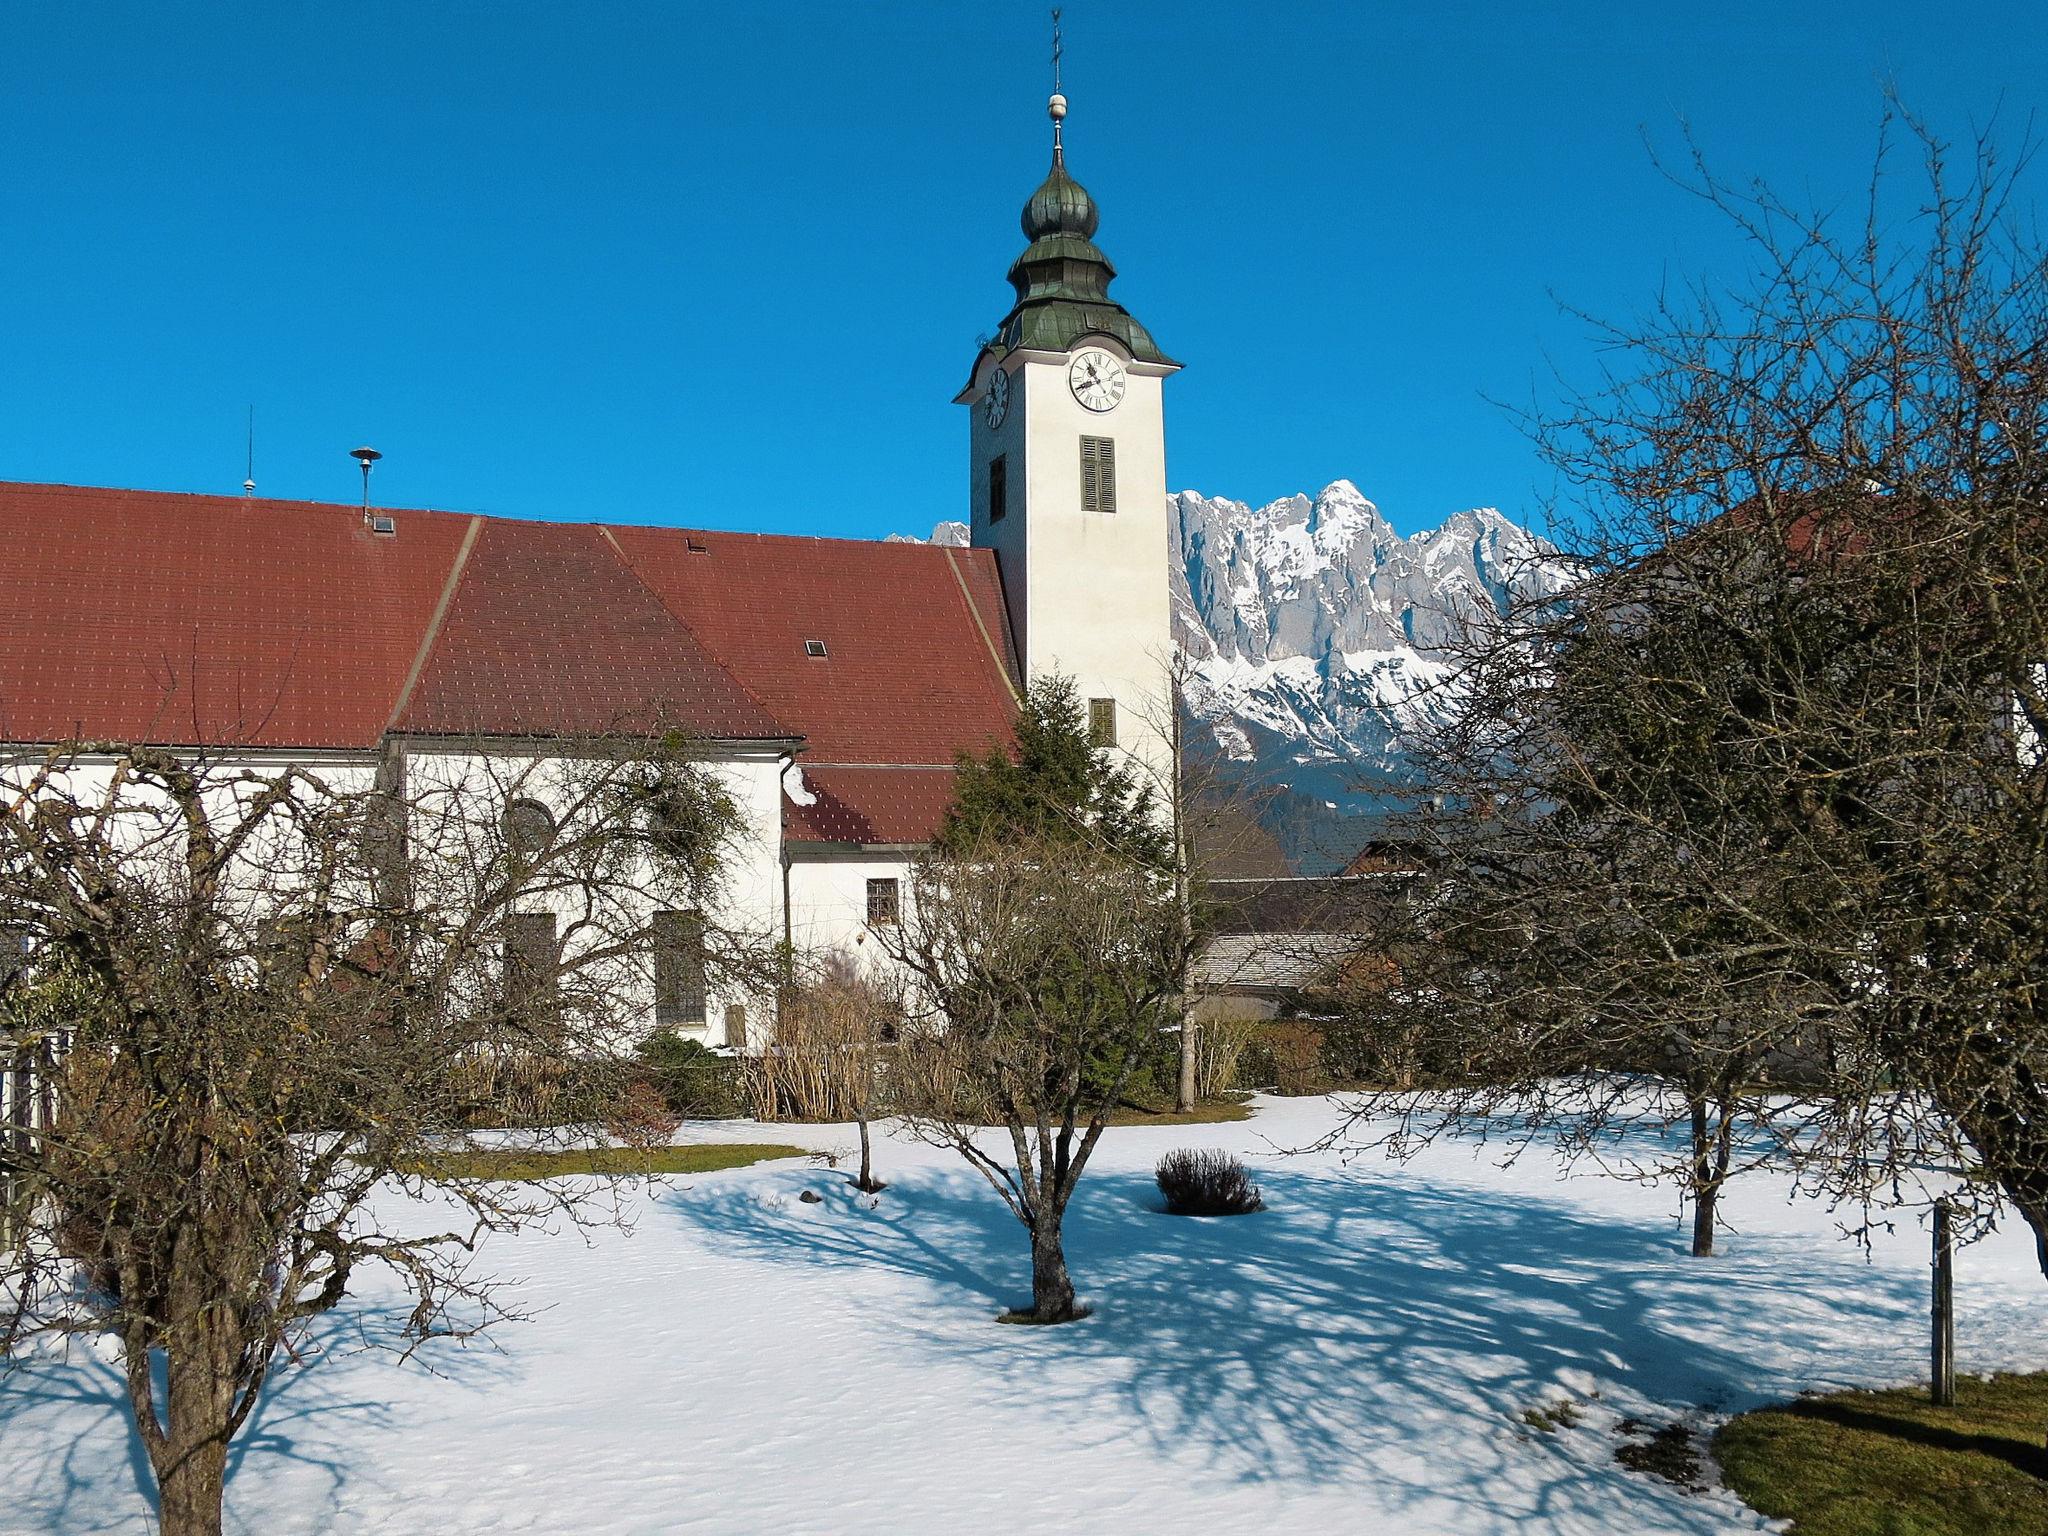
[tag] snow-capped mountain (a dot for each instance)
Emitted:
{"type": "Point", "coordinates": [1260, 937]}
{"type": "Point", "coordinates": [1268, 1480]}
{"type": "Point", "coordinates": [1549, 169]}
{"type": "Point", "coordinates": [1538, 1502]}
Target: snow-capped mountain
{"type": "Point", "coordinates": [1315, 634]}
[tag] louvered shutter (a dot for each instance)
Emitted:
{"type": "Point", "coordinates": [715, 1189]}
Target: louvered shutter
{"type": "Point", "coordinates": [1098, 474]}
{"type": "Point", "coordinates": [1102, 722]}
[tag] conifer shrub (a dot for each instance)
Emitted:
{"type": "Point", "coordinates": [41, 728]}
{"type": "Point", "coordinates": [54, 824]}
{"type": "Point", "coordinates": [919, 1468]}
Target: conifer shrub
{"type": "Point", "coordinates": [1206, 1183]}
{"type": "Point", "coordinates": [696, 1082]}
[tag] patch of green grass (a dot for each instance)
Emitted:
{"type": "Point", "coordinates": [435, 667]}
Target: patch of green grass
{"type": "Point", "coordinates": [1892, 1464]}
{"type": "Point", "coordinates": [522, 1165]}
{"type": "Point", "coordinates": [1205, 1112]}
{"type": "Point", "coordinates": [1552, 1417]}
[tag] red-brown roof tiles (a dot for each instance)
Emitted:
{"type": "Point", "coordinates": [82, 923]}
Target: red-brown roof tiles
{"type": "Point", "coordinates": [214, 620]}
{"type": "Point", "coordinates": [550, 634]}
{"type": "Point", "coordinates": [917, 662]}
{"type": "Point", "coordinates": [869, 805]}
{"type": "Point", "coordinates": [208, 620]}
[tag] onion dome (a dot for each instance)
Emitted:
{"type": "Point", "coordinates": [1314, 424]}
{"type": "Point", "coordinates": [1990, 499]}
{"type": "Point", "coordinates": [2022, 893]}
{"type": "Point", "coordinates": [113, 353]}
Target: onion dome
{"type": "Point", "coordinates": [1061, 206]}
{"type": "Point", "coordinates": [1062, 279]}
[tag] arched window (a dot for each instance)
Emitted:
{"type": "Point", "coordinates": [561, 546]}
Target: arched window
{"type": "Point", "coordinates": [529, 826]}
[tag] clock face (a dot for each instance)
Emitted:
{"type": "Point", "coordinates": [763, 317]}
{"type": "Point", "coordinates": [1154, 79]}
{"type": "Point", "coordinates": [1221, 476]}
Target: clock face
{"type": "Point", "coordinates": [996, 404]}
{"type": "Point", "coordinates": [1097, 380]}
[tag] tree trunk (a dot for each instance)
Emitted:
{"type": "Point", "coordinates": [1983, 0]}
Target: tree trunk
{"type": "Point", "coordinates": [1184, 900]}
{"type": "Point", "coordinates": [1184, 1097]}
{"type": "Point", "coordinates": [1712, 1149]}
{"type": "Point", "coordinates": [1706, 1190]}
{"type": "Point", "coordinates": [191, 1489]}
{"type": "Point", "coordinates": [191, 1464]}
{"type": "Point", "coordinates": [1052, 1288]}
{"type": "Point", "coordinates": [866, 1183]}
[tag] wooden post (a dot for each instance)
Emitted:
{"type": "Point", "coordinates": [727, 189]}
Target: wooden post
{"type": "Point", "coordinates": [1944, 1392]}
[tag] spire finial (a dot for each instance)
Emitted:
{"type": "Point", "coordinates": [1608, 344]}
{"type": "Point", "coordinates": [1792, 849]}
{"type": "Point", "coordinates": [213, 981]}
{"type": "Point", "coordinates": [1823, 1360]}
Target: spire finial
{"type": "Point", "coordinates": [1056, 109]}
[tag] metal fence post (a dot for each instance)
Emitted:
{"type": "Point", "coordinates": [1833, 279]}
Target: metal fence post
{"type": "Point", "coordinates": [1944, 1386]}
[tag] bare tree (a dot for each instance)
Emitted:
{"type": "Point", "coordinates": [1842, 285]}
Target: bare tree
{"type": "Point", "coordinates": [1048, 967]}
{"type": "Point", "coordinates": [1765, 798]}
{"type": "Point", "coordinates": [847, 1014]}
{"type": "Point", "coordinates": [1211, 814]}
{"type": "Point", "coordinates": [287, 988]}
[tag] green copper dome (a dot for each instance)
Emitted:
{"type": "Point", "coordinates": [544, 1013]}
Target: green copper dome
{"type": "Point", "coordinates": [1061, 206]}
{"type": "Point", "coordinates": [1062, 279]}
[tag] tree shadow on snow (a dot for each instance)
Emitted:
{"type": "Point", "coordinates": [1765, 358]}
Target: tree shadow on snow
{"type": "Point", "coordinates": [309, 1413]}
{"type": "Point", "coordinates": [1366, 1328]}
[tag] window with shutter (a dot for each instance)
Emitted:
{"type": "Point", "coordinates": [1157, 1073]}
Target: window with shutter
{"type": "Point", "coordinates": [678, 968]}
{"type": "Point", "coordinates": [998, 488]}
{"type": "Point", "coordinates": [1098, 474]}
{"type": "Point", "coordinates": [884, 902]}
{"type": "Point", "coordinates": [532, 967]}
{"type": "Point", "coordinates": [1102, 722]}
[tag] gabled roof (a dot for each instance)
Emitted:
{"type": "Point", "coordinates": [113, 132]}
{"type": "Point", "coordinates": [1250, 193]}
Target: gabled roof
{"type": "Point", "coordinates": [224, 621]}
{"type": "Point", "coordinates": [203, 620]}
{"type": "Point", "coordinates": [550, 634]}
{"type": "Point", "coordinates": [918, 660]}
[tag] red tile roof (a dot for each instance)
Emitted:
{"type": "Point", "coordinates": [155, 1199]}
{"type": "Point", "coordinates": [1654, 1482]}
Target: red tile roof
{"type": "Point", "coordinates": [550, 634]}
{"type": "Point", "coordinates": [868, 805]}
{"type": "Point", "coordinates": [211, 620]}
{"type": "Point", "coordinates": [208, 620]}
{"type": "Point", "coordinates": [917, 659]}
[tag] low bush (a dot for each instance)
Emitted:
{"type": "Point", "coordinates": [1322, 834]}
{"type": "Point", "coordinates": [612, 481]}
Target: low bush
{"type": "Point", "coordinates": [693, 1080]}
{"type": "Point", "coordinates": [1206, 1183]}
{"type": "Point", "coordinates": [641, 1116]}
{"type": "Point", "coordinates": [826, 1062]}
{"type": "Point", "coordinates": [1285, 1055]}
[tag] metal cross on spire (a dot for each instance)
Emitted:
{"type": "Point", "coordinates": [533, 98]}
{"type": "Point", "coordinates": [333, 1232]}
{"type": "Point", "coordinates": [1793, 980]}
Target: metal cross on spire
{"type": "Point", "coordinates": [1056, 108]}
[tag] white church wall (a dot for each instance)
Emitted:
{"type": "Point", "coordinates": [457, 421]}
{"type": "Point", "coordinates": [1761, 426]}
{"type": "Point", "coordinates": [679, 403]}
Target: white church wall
{"type": "Point", "coordinates": [479, 784]}
{"type": "Point", "coordinates": [828, 902]}
{"type": "Point", "coordinates": [746, 905]}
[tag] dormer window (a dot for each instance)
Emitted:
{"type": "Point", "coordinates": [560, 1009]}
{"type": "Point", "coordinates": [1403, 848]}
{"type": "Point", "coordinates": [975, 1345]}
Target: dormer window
{"type": "Point", "coordinates": [814, 648]}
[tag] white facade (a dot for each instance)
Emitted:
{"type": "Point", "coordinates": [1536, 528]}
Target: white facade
{"type": "Point", "coordinates": [1087, 589]}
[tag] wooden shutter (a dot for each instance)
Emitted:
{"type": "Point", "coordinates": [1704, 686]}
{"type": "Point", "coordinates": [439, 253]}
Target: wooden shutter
{"type": "Point", "coordinates": [678, 968]}
{"type": "Point", "coordinates": [1102, 722]}
{"type": "Point", "coordinates": [1098, 474]}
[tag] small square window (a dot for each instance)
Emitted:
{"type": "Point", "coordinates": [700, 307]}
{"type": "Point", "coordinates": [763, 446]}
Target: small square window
{"type": "Point", "coordinates": [814, 648]}
{"type": "Point", "coordinates": [885, 899]}
{"type": "Point", "coordinates": [1102, 722]}
{"type": "Point", "coordinates": [998, 488]}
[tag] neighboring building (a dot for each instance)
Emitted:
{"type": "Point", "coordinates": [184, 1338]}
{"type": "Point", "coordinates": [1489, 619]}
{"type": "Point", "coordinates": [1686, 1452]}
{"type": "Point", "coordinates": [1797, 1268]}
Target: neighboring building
{"type": "Point", "coordinates": [834, 681]}
{"type": "Point", "coordinates": [1271, 942]}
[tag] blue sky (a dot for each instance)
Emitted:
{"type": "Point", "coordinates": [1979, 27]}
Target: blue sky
{"type": "Point", "coordinates": [726, 265]}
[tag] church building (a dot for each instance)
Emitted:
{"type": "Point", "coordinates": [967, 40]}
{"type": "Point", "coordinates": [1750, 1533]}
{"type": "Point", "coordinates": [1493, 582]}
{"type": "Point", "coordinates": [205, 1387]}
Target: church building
{"type": "Point", "coordinates": [833, 681]}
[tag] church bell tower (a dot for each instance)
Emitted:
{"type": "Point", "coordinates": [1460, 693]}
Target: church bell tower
{"type": "Point", "coordinates": [1067, 470]}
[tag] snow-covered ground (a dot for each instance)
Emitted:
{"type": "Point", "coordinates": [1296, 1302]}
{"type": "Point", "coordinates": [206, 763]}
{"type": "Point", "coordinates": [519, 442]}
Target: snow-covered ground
{"type": "Point", "coordinates": [1355, 1359]}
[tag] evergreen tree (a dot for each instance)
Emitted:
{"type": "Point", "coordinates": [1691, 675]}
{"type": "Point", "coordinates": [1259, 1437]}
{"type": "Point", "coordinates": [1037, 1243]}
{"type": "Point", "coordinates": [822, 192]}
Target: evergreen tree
{"type": "Point", "coordinates": [1056, 787]}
